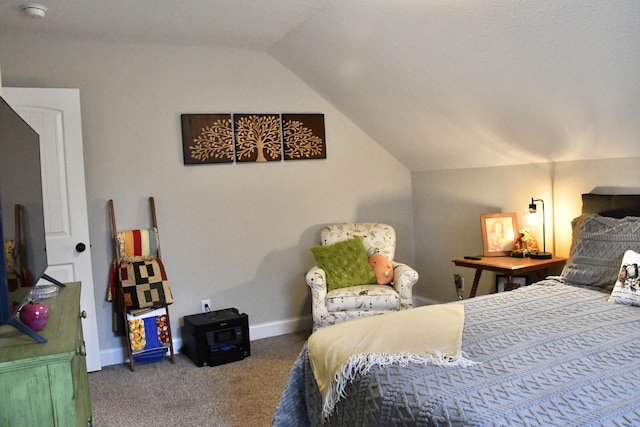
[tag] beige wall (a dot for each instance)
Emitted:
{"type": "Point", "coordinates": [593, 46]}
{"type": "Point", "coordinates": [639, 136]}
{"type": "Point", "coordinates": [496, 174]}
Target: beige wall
{"type": "Point", "coordinates": [448, 205]}
{"type": "Point", "coordinates": [237, 234]}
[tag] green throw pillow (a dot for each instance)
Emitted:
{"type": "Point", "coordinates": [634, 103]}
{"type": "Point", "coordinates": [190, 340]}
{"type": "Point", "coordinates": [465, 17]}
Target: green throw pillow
{"type": "Point", "coordinates": [346, 263]}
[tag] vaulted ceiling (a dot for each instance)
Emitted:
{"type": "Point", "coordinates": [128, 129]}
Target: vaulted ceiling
{"type": "Point", "coordinates": [441, 84]}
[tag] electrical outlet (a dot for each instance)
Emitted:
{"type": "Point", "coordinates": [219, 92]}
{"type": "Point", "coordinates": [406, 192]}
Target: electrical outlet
{"type": "Point", "coordinates": [205, 305]}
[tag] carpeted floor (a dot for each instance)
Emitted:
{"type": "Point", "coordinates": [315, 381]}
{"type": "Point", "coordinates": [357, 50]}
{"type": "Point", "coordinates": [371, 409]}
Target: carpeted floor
{"type": "Point", "coordinates": [243, 393]}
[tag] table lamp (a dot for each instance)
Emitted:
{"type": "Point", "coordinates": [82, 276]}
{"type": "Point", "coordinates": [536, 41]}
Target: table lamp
{"type": "Point", "coordinates": [532, 219]}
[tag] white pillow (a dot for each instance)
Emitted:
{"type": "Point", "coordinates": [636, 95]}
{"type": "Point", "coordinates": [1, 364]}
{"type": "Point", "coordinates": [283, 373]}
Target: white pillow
{"type": "Point", "coordinates": [627, 287]}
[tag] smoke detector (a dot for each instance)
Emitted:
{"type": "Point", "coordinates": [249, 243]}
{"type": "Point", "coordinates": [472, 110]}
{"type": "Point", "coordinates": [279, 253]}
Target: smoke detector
{"type": "Point", "coordinates": [34, 10]}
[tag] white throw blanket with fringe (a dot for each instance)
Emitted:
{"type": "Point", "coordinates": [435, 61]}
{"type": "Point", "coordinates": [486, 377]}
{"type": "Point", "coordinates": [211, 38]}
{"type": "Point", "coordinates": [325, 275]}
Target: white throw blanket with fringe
{"type": "Point", "coordinates": [424, 335]}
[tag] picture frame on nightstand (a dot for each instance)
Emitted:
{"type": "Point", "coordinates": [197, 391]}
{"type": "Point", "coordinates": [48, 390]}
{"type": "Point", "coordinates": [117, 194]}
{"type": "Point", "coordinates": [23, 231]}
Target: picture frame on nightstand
{"type": "Point", "coordinates": [499, 232]}
{"type": "Point", "coordinates": [501, 281]}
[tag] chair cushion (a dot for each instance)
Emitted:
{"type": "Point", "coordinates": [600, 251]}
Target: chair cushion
{"type": "Point", "coordinates": [346, 263]}
{"type": "Point", "coordinates": [363, 297]}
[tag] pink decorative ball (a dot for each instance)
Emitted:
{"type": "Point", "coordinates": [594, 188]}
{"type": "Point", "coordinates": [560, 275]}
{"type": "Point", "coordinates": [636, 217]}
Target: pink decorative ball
{"type": "Point", "coordinates": [34, 315]}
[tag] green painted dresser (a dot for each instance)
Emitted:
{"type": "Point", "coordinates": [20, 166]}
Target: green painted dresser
{"type": "Point", "coordinates": [46, 384]}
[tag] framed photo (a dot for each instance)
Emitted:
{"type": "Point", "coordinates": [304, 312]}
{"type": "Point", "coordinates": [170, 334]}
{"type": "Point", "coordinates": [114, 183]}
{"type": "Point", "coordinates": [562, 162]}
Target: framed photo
{"type": "Point", "coordinates": [499, 232]}
{"type": "Point", "coordinates": [502, 285]}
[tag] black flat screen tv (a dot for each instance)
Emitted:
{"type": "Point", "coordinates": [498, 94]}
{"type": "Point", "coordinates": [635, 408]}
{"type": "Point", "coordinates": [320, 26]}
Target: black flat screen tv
{"type": "Point", "coordinates": [20, 185]}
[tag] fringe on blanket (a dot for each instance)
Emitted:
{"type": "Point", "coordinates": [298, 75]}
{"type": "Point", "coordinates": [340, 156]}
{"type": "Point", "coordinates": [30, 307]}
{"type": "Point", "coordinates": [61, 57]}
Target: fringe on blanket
{"type": "Point", "coordinates": [360, 364]}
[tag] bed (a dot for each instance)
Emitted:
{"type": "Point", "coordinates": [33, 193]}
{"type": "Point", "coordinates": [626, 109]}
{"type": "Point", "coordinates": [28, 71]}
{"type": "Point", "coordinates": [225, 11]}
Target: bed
{"type": "Point", "coordinates": [557, 352]}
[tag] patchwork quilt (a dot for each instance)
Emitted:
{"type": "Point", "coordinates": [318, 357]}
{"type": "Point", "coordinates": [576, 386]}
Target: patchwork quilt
{"type": "Point", "coordinates": [550, 354]}
{"type": "Point", "coordinates": [144, 284]}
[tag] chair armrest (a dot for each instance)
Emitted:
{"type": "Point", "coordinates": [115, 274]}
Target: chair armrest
{"type": "Point", "coordinates": [317, 281]}
{"type": "Point", "coordinates": [316, 278]}
{"type": "Point", "coordinates": [404, 277]}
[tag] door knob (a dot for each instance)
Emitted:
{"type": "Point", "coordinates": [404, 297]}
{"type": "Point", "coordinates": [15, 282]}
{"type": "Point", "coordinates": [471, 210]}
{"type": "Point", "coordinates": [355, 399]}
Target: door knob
{"type": "Point", "coordinates": [80, 247]}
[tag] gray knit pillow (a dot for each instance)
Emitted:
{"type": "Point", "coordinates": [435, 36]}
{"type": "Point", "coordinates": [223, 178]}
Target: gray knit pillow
{"type": "Point", "coordinates": [597, 248]}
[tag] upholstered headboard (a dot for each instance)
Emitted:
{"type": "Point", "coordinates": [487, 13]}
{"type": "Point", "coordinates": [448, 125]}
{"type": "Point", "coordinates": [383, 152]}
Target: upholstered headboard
{"type": "Point", "coordinates": [611, 205]}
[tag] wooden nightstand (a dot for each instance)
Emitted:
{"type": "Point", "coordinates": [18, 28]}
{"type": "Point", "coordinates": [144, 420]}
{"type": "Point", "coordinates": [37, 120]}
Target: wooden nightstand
{"type": "Point", "coordinates": [508, 266]}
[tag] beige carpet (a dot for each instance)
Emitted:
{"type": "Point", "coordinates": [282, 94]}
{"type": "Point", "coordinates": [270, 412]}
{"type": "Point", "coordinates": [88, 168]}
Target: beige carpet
{"type": "Point", "coordinates": [243, 393]}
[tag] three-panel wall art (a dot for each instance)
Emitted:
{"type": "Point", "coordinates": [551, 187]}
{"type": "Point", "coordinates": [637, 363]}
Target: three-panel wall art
{"type": "Point", "coordinates": [228, 138]}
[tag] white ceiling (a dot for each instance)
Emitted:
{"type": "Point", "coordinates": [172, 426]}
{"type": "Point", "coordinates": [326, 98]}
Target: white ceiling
{"type": "Point", "coordinates": [441, 84]}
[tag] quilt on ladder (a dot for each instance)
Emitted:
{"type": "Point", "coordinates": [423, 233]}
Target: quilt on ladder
{"type": "Point", "coordinates": [550, 354]}
{"type": "Point", "coordinates": [144, 284]}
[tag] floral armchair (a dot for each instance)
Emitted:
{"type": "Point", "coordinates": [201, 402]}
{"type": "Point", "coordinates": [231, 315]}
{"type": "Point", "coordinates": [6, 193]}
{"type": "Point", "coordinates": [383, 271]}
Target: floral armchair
{"type": "Point", "coordinates": [346, 303]}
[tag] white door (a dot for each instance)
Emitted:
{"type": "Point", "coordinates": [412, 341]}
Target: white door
{"type": "Point", "coordinates": [55, 115]}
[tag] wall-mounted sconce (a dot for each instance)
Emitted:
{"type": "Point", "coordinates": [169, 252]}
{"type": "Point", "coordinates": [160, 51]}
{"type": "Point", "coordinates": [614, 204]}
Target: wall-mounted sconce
{"type": "Point", "coordinates": [532, 219]}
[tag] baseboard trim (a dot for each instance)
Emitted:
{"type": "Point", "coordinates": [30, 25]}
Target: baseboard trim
{"type": "Point", "coordinates": [280, 327]}
{"type": "Point", "coordinates": [419, 301]}
{"type": "Point", "coordinates": [117, 356]}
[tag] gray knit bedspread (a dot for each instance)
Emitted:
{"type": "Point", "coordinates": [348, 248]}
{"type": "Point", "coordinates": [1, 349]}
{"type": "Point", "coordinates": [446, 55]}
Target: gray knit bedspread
{"type": "Point", "coordinates": [551, 354]}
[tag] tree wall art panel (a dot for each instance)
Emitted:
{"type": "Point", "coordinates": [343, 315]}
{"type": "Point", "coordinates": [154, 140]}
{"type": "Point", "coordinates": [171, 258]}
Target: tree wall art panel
{"type": "Point", "coordinates": [207, 138]}
{"type": "Point", "coordinates": [258, 137]}
{"type": "Point", "coordinates": [303, 136]}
